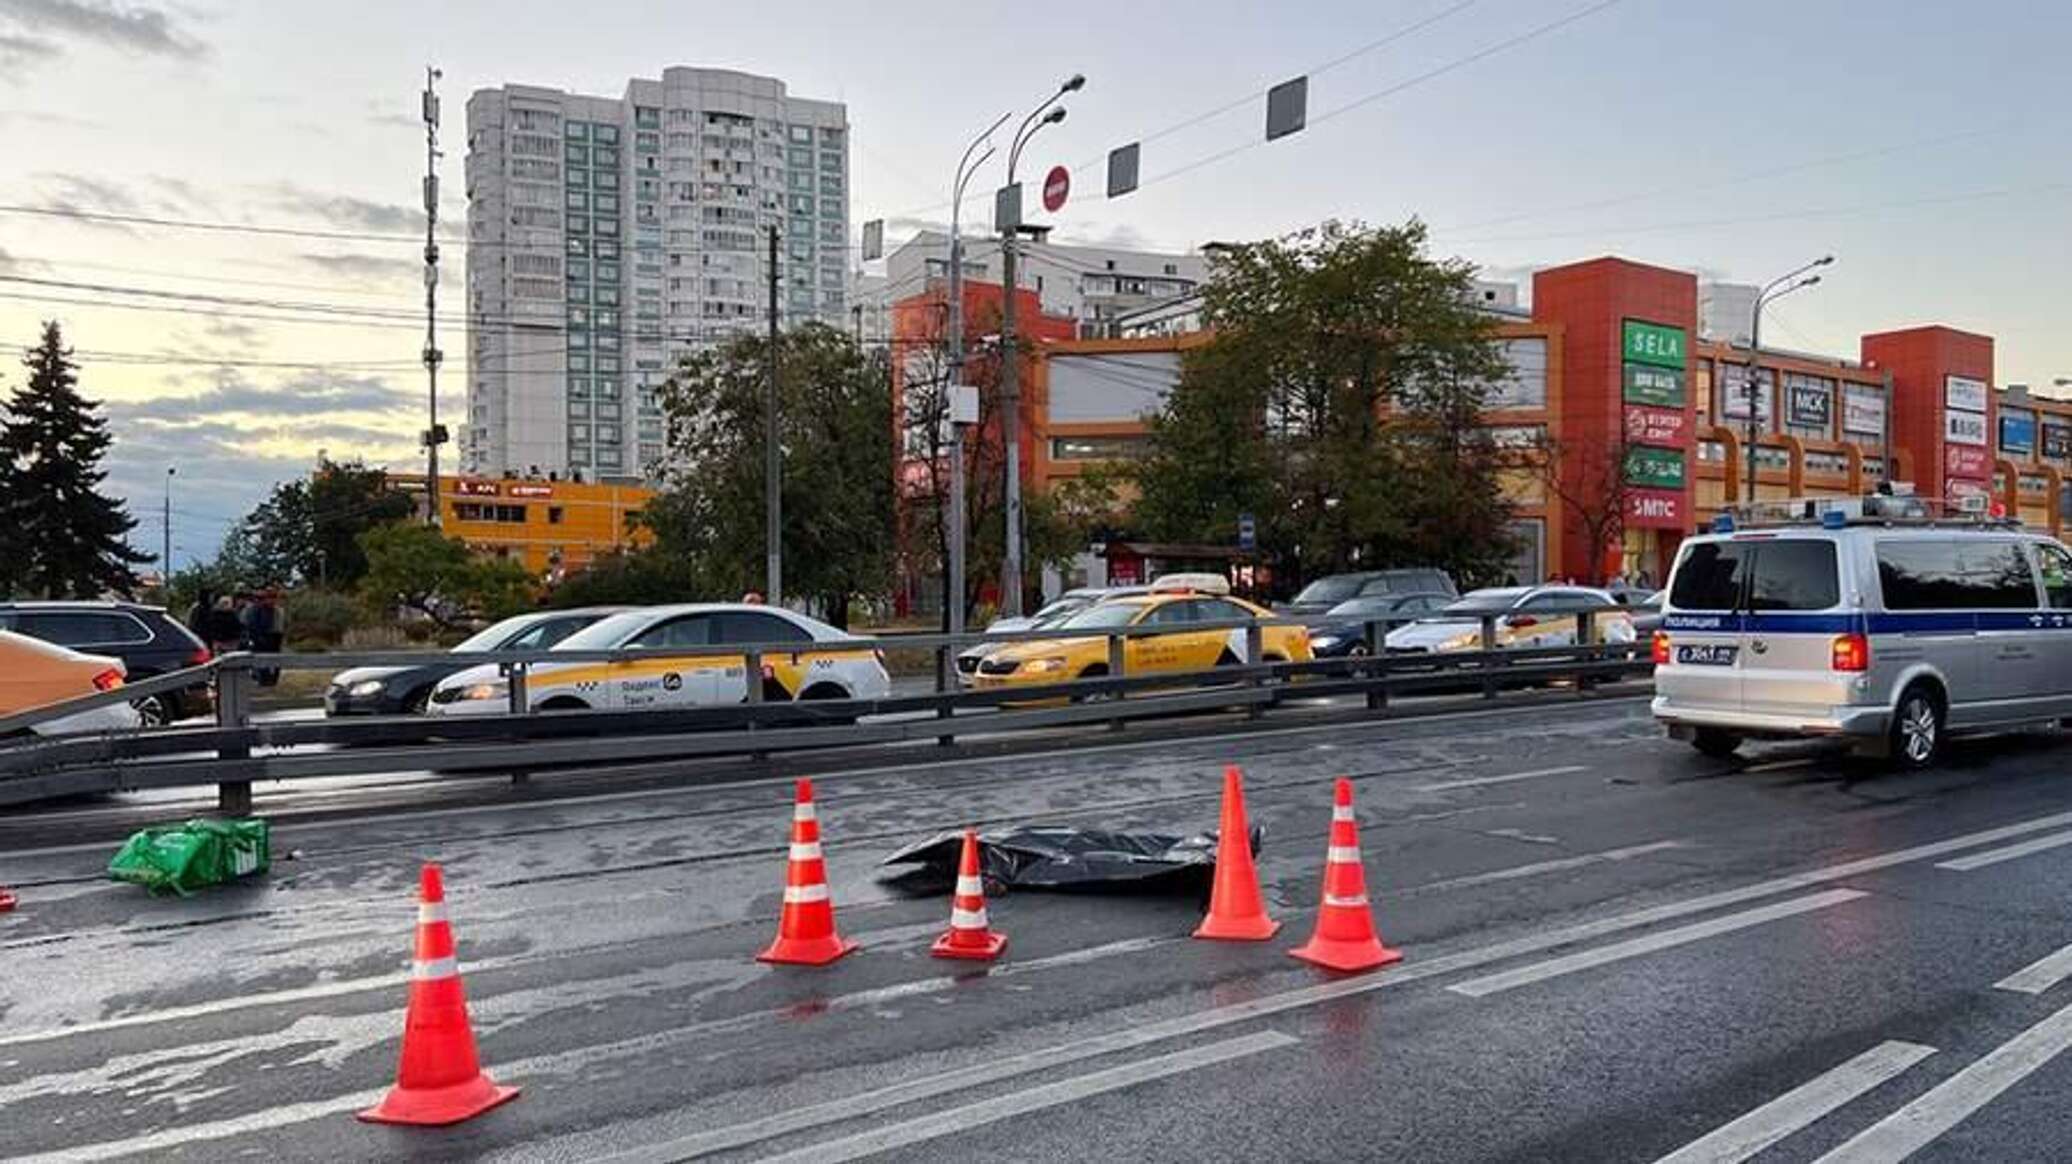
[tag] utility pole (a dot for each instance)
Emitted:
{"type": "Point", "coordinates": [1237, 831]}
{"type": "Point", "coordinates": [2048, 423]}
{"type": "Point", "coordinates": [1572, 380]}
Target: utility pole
{"type": "Point", "coordinates": [165, 558]}
{"type": "Point", "coordinates": [1776, 288]}
{"type": "Point", "coordinates": [433, 435]}
{"type": "Point", "coordinates": [774, 519]}
{"type": "Point", "coordinates": [965, 169]}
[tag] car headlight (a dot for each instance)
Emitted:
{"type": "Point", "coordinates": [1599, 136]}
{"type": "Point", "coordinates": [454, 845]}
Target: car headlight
{"type": "Point", "coordinates": [1324, 642]}
{"type": "Point", "coordinates": [365, 687]}
{"type": "Point", "coordinates": [494, 689]}
{"type": "Point", "coordinates": [1043, 666]}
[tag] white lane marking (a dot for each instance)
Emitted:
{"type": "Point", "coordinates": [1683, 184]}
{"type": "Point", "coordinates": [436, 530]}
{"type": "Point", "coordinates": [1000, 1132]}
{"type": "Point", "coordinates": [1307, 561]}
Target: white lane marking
{"type": "Point", "coordinates": [1585, 959]}
{"type": "Point", "coordinates": [1779, 765]}
{"type": "Point", "coordinates": [1955, 1099]}
{"type": "Point", "coordinates": [407, 814]}
{"type": "Point", "coordinates": [1506, 778]}
{"type": "Point", "coordinates": [1800, 1107]}
{"type": "Point", "coordinates": [1048, 1095]}
{"type": "Point", "coordinates": [292, 1113]}
{"type": "Point", "coordinates": [1995, 856]}
{"type": "Point", "coordinates": [2040, 975]}
{"type": "Point", "coordinates": [1558, 865]}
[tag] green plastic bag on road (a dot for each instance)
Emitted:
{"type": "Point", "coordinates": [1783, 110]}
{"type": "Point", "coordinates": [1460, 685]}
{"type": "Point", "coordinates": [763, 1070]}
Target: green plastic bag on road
{"type": "Point", "coordinates": [183, 858]}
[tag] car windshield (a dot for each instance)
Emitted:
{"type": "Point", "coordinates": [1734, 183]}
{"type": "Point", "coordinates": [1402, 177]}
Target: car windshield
{"type": "Point", "coordinates": [494, 635]}
{"type": "Point", "coordinates": [1061, 608]}
{"type": "Point", "coordinates": [1362, 607]}
{"type": "Point", "coordinates": [1334, 590]}
{"type": "Point", "coordinates": [1482, 602]}
{"type": "Point", "coordinates": [607, 633]}
{"type": "Point", "coordinates": [1103, 616]}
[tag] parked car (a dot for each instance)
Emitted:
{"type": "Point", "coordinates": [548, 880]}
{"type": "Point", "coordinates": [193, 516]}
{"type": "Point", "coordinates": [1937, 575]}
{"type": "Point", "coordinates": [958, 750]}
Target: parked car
{"type": "Point", "coordinates": [1341, 632]}
{"type": "Point", "coordinates": [406, 690]}
{"type": "Point", "coordinates": [1327, 592]}
{"type": "Point", "coordinates": [1526, 616]}
{"type": "Point", "coordinates": [827, 664]}
{"type": "Point", "coordinates": [147, 640]}
{"type": "Point", "coordinates": [1647, 613]}
{"type": "Point", "coordinates": [1177, 650]}
{"type": "Point", "coordinates": [1070, 602]}
{"type": "Point", "coordinates": [36, 673]}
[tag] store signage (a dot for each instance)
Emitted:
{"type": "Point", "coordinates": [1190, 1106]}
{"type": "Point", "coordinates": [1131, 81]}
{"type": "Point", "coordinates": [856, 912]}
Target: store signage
{"type": "Point", "coordinates": [1655, 468]}
{"type": "Point", "coordinates": [1733, 395]}
{"type": "Point", "coordinates": [1863, 411]}
{"type": "Point", "coordinates": [1646, 384]}
{"type": "Point", "coordinates": [1957, 490]}
{"type": "Point", "coordinates": [524, 490]}
{"type": "Point", "coordinates": [1966, 461]}
{"type": "Point", "coordinates": [467, 488]}
{"type": "Point", "coordinates": [2017, 431]}
{"type": "Point", "coordinates": [2057, 441]}
{"type": "Point", "coordinates": [1964, 428]}
{"type": "Point", "coordinates": [1964, 394]}
{"type": "Point", "coordinates": [1646, 425]}
{"type": "Point", "coordinates": [1652, 343]}
{"type": "Point", "coordinates": [1809, 405]}
{"type": "Point", "coordinates": [1654, 509]}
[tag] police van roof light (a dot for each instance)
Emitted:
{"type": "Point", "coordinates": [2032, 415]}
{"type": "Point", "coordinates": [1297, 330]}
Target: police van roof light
{"type": "Point", "coordinates": [1724, 523]}
{"type": "Point", "coordinates": [1834, 519]}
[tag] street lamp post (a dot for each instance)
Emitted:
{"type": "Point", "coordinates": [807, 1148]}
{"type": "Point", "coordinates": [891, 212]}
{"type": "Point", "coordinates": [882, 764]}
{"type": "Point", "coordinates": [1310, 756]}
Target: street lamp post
{"type": "Point", "coordinates": [1776, 288]}
{"type": "Point", "coordinates": [165, 557]}
{"type": "Point", "coordinates": [966, 167]}
{"type": "Point", "coordinates": [1048, 113]}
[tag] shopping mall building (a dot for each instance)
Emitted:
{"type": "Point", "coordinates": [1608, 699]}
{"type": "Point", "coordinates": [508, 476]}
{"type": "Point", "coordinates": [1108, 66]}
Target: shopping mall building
{"type": "Point", "coordinates": [1610, 361]}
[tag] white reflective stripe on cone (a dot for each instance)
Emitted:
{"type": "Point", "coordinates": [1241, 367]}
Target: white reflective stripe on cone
{"type": "Point", "coordinates": [810, 851]}
{"type": "Point", "coordinates": [803, 811]}
{"type": "Point", "coordinates": [1341, 812]}
{"type": "Point", "coordinates": [967, 919]}
{"type": "Point", "coordinates": [431, 911]}
{"type": "Point", "coordinates": [970, 887]}
{"type": "Point", "coordinates": [802, 894]}
{"type": "Point", "coordinates": [1331, 902]}
{"type": "Point", "coordinates": [435, 969]}
{"type": "Point", "coordinates": [1342, 855]}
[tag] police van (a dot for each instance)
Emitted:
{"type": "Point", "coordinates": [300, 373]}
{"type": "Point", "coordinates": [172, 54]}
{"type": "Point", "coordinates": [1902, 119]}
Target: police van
{"type": "Point", "coordinates": [1883, 620]}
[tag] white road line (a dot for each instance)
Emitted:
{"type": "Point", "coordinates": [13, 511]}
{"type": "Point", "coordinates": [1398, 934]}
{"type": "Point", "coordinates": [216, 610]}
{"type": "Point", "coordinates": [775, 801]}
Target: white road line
{"type": "Point", "coordinates": [972, 1115]}
{"type": "Point", "coordinates": [958, 1079]}
{"type": "Point", "coordinates": [1507, 778]}
{"type": "Point", "coordinates": [1558, 865]}
{"type": "Point", "coordinates": [1995, 856]}
{"type": "Point", "coordinates": [1955, 1099]}
{"type": "Point", "coordinates": [1778, 765]}
{"type": "Point", "coordinates": [1800, 1107]}
{"type": "Point", "coordinates": [2039, 975]}
{"type": "Point", "coordinates": [1584, 960]}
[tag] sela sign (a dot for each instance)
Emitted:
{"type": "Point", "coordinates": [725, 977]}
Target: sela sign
{"type": "Point", "coordinates": [1652, 343]}
{"type": "Point", "coordinates": [1646, 425]}
{"type": "Point", "coordinates": [1654, 509]}
{"type": "Point", "coordinates": [1964, 394]}
{"type": "Point", "coordinates": [1966, 461]}
{"type": "Point", "coordinates": [1964, 428]}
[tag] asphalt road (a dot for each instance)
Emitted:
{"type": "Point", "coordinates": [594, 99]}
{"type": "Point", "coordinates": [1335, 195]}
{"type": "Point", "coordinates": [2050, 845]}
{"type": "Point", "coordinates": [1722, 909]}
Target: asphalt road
{"type": "Point", "coordinates": [1615, 950]}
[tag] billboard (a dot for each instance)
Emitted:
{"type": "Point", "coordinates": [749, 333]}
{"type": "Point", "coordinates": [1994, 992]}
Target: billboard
{"type": "Point", "coordinates": [2057, 441]}
{"type": "Point", "coordinates": [2017, 430]}
{"type": "Point", "coordinates": [1966, 461]}
{"type": "Point", "coordinates": [1655, 468]}
{"type": "Point", "coordinates": [1809, 405]}
{"type": "Point", "coordinates": [1964, 394]}
{"type": "Point", "coordinates": [1964, 428]}
{"type": "Point", "coordinates": [1647, 425]}
{"type": "Point", "coordinates": [1654, 509]}
{"type": "Point", "coordinates": [1863, 410]}
{"type": "Point", "coordinates": [1646, 384]}
{"type": "Point", "coordinates": [1652, 343]}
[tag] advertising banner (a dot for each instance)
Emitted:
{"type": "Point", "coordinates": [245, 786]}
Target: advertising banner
{"type": "Point", "coordinates": [1656, 468]}
{"type": "Point", "coordinates": [1964, 394]}
{"type": "Point", "coordinates": [1966, 461]}
{"type": "Point", "coordinates": [1810, 405]}
{"type": "Point", "coordinates": [1652, 343]}
{"type": "Point", "coordinates": [1646, 425]}
{"type": "Point", "coordinates": [1733, 395]}
{"type": "Point", "coordinates": [1647, 384]}
{"type": "Point", "coordinates": [1654, 509]}
{"type": "Point", "coordinates": [1964, 428]}
{"type": "Point", "coordinates": [2057, 441]}
{"type": "Point", "coordinates": [1863, 411]}
{"type": "Point", "coordinates": [2017, 431]}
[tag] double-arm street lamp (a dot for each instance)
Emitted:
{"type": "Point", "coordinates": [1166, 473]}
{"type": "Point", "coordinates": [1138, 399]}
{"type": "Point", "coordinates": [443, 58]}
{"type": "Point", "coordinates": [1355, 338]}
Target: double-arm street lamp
{"type": "Point", "coordinates": [1776, 288]}
{"type": "Point", "coordinates": [966, 167]}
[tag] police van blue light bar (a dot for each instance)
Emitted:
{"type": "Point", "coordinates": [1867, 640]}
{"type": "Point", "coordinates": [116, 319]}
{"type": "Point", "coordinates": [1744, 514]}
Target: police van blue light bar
{"type": "Point", "coordinates": [1724, 523]}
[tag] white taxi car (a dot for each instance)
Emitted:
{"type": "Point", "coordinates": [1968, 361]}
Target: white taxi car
{"type": "Point", "coordinates": [825, 664]}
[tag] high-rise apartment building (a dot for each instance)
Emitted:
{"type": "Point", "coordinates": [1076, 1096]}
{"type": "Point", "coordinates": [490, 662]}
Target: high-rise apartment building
{"type": "Point", "coordinates": [609, 236]}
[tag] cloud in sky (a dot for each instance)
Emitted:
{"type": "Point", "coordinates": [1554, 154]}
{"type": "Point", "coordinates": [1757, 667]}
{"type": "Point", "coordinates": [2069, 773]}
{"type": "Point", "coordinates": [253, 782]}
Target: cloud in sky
{"type": "Point", "coordinates": [134, 28]}
{"type": "Point", "coordinates": [306, 394]}
{"type": "Point", "coordinates": [346, 211]}
{"type": "Point", "coordinates": [371, 268]}
{"type": "Point", "coordinates": [19, 53]}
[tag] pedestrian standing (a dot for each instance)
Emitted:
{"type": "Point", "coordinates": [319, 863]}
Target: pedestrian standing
{"type": "Point", "coordinates": [225, 632]}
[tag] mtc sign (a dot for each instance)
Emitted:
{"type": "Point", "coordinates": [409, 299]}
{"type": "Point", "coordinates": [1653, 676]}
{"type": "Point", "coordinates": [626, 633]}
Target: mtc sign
{"type": "Point", "coordinates": [1654, 509]}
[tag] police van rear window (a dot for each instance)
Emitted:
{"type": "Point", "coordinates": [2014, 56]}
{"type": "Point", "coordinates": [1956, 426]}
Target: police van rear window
{"type": "Point", "coordinates": [1768, 575]}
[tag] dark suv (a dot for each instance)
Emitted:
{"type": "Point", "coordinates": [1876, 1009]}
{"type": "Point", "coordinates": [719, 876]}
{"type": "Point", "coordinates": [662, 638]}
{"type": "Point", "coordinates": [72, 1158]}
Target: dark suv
{"type": "Point", "coordinates": [146, 640]}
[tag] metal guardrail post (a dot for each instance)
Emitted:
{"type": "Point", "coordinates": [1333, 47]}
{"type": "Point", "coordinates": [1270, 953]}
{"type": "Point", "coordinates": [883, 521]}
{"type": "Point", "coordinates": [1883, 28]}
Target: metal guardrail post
{"type": "Point", "coordinates": [752, 674]}
{"type": "Point", "coordinates": [1377, 646]}
{"type": "Point", "coordinates": [945, 677]}
{"type": "Point", "coordinates": [521, 704]}
{"type": "Point", "coordinates": [1118, 667]}
{"type": "Point", "coordinates": [1489, 651]}
{"type": "Point", "coordinates": [1586, 637]}
{"type": "Point", "coordinates": [233, 702]}
{"type": "Point", "coordinates": [1255, 654]}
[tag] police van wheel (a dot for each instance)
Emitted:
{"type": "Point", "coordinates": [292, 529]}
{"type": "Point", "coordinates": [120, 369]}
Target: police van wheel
{"type": "Point", "coordinates": [1917, 728]}
{"type": "Point", "coordinates": [1716, 742]}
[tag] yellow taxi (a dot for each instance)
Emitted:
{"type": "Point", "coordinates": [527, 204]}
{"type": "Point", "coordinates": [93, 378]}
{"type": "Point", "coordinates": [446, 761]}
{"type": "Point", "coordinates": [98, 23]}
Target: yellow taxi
{"type": "Point", "coordinates": [1175, 642]}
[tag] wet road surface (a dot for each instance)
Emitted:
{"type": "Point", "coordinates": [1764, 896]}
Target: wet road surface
{"type": "Point", "coordinates": [1615, 950]}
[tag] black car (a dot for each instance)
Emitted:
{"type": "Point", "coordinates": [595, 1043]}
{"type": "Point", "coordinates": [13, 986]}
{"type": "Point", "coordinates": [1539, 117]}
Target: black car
{"type": "Point", "coordinates": [1341, 632]}
{"type": "Point", "coordinates": [145, 638]}
{"type": "Point", "coordinates": [1321, 595]}
{"type": "Point", "coordinates": [404, 690]}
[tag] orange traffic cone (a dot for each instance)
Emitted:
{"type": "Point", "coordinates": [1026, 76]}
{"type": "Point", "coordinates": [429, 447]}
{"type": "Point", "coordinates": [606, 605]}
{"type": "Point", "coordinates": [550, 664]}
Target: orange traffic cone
{"type": "Point", "coordinates": [969, 935]}
{"type": "Point", "coordinates": [438, 1081]}
{"type": "Point", "coordinates": [806, 929]}
{"type": "Point", "coordinates": [1236, 912]}
{"type": "Point", "coordinates": [1345, 937]}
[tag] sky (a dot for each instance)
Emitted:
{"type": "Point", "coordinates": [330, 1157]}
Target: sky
{"type": "Point", "coordinates": [1928, 146]}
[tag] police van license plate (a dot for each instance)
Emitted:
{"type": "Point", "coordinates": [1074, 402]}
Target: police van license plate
{"type": "Point", "coordinates": [1707, 654]}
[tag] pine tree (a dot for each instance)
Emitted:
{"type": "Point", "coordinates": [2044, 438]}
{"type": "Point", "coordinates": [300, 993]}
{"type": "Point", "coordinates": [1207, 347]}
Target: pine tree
{"type": "Point", "coordinates": [65, 539]}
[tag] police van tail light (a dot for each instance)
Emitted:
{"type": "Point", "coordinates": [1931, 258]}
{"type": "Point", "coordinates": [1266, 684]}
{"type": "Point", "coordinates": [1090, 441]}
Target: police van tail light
{"type": "Point", "coordinates": [1660, 645]}
{"type": "Point", "coordinates": [1851, 653]}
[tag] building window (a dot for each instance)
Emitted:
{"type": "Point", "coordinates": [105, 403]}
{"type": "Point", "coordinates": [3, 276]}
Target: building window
{"type": "Point", "coordinates": [577, 155]}
{"type": "Point", "coordinates": [578, 200]}
{"type": "Point", "coordinates": [601, 156]}
{"type": "Point", "coordinates": [579, 224]}
{"type": "Point", "coordinates": [553, 515]}
{"type": "Point", "coordinates": [831, 162]}
{"type": "Point", "coordinates": [802, 134]}
{"type": "Point", "coordinates": [645, 117]}
{"type": "Point", "coordinates": [578, 293]}
{"type": "Point", "coordinates": [578, 131]}
{"type": "Point", "coordinates": [648, 143]}
{"type": "Point", "coordinates": [608, 134]}
{"type": "Point", "coordinates": [1526, 385]}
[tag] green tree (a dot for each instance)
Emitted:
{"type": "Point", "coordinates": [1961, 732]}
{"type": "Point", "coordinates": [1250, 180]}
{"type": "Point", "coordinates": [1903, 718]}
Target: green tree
{"type": "Point", "coordinates": [416, 568]}
{"type": "Point", "coordinates": [1339, 403]}
{"type": "Point", "coordinates": [636, 577]}
{"type": "Point", "coordinates": [309, 531]}
{"type": "Point", "coordinates": [63, 538]}
{"type": "Point", "coordinates": [835, 432]}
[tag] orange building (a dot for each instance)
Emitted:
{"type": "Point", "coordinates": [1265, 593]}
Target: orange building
{"type": "Point", "coordinates": [552, 526]}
